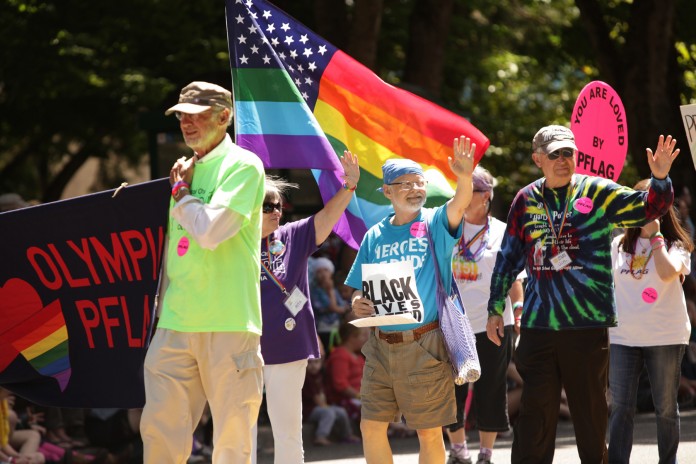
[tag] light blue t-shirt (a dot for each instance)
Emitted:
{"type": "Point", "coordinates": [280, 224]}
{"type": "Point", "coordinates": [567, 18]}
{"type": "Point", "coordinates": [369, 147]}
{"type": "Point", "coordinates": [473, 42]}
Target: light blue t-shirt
{"type": "Point", "coordinates": [387, 243]}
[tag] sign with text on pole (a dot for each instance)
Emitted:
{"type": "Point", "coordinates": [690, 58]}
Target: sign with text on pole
{"type": "Point", "coordinates": [598, 122]}
{"type": "Point", "coordinates": [688, 113]}
{"type": "Point", "coordinates": [392, 289]}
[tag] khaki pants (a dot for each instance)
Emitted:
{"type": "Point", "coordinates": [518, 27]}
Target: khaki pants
{"type": "Point", "coordinates": [182, 371]}
{"type": "Point", "coordinates": [411, 378]}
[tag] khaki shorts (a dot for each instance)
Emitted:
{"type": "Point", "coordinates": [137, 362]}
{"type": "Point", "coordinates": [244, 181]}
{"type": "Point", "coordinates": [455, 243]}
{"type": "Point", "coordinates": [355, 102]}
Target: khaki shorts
{"type": "Point", "coordinates": [410, 378]}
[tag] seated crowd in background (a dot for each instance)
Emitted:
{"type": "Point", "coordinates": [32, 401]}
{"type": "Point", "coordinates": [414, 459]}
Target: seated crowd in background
{"type": "Point", "coordinates": [32, 434]}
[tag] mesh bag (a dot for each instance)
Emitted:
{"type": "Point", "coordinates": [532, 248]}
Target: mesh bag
{"type": "Point", "coordinates": [457, 333]}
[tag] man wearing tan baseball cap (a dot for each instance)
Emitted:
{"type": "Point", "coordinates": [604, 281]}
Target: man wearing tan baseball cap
{"type": "Point", "coordinates": [198, 97]}
{"type": "Point", "coordinates": [207, 343]}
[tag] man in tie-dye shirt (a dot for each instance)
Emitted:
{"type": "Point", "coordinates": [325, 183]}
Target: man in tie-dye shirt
{"type": "Point", "coordinates": [559, 229]}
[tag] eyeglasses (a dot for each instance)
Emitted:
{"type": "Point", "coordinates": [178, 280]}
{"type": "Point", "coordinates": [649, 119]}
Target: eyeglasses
{"type": "Point", "coordinates": [564, 152]}
{"type": "Point", "coordinates": [193, 117]}
{"type": "Point", "coordinates": [410, 185]}
{"type": "Point", "coordinates": [270, 207]}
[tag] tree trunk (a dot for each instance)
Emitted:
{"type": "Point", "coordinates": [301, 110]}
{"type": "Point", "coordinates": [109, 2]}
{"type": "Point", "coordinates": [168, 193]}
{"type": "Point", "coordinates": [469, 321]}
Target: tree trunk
{"type": "Point", "coordinates": [331, 19]}
{"type": "Point", "coordinates": [364, 31]}
{"type": "Point", "coordinates": [425, 55]}
{"type": "Point", "coordinates": [645, 73]}
{"type": "Point", "coordinates": [56, 183]}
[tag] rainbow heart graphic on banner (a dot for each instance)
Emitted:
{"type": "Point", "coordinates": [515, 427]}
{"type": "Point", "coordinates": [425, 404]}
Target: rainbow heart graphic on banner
{"type": "Point", "coordinates": [33, 331]}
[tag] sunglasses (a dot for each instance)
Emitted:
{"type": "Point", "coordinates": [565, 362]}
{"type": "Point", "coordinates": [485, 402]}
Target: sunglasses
{"type": "Point", "coordinates": [270, 207]}
{"type": "Point", "coordinates": [564, 152]}
{"type": "Point", "coordinates": [193, 117]}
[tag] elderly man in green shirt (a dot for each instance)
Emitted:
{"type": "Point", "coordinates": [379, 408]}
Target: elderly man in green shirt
{"type": "Point", "coordinates": [207, 344]}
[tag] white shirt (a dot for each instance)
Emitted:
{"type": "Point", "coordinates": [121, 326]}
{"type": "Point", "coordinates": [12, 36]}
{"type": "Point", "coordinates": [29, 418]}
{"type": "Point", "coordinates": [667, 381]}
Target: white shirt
{"type": "Point", "coordinates": [474, 280]}
{"type": "Point", "coordinates": [651, 312]}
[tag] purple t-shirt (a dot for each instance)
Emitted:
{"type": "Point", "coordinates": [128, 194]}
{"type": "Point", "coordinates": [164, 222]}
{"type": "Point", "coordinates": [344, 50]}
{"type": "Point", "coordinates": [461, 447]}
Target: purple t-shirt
{"type": "Point", "coordinates": [278, 344]}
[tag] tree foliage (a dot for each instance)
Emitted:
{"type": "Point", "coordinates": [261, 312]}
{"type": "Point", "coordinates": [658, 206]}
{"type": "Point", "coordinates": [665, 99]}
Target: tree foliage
{"type": "Point", "coordinates": [75, 75]}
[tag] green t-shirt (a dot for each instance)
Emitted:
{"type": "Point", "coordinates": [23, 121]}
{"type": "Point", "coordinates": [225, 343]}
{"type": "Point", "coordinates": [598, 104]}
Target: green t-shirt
{"type": "Point", "coordinates": [218, 290]}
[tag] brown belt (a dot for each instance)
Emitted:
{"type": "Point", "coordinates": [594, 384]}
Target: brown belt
{"type": "Point", "coordinates": [398, 337]}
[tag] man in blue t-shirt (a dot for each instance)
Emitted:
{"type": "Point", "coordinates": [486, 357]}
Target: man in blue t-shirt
{"type": "Point", "coordinates": [407, 368]}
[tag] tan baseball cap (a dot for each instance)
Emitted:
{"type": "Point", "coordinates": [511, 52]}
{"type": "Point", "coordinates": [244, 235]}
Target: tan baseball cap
{"type": "Point", "coordinates": [551, 138]}
{"type": "Point", "coordinates": [199, 96]}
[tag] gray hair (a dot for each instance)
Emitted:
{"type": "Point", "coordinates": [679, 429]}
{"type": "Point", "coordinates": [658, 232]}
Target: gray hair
{"type": "Point", "coordinates": [483, 180]}
{"type": "Point", "coordinates": [230, 117]}
{"type": "Point", "coordinates": [278, 186]}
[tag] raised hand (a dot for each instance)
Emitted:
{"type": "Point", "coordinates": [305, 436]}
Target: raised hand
{"type": "Point", "coordinates": [661, 161]}
{"type": "Point", "coordinates": [351, 169]}
{"type": "Point", "coordinates": [462, 161]}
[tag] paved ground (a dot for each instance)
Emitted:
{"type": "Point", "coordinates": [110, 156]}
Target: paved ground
{"type": "Point", "coordinates": [406, 449]}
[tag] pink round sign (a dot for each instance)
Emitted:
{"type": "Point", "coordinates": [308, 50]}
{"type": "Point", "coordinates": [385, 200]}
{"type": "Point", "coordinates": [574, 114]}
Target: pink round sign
{"type": "Point", "coordinates": [583, 205]}
{"type": "Point", "coordinates": [649, 295]}
{"type": "Point", "coordinates": [601, 134]}
{"type": "Point", "coordinates": [183, 246]}
{"type": "Point", "coordinates": [418, 229]}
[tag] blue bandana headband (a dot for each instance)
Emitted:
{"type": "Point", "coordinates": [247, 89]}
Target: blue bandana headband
{"type": "Point", "coordinates": [395, 168]}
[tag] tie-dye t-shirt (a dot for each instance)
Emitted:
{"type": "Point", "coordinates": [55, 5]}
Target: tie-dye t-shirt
{"type": "Point", "coordinates": [583, 215]}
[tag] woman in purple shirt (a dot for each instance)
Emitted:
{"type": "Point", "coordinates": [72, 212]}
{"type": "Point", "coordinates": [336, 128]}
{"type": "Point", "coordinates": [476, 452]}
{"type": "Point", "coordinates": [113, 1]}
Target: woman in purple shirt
{"type": "Point", "coordinates": [289, 334]}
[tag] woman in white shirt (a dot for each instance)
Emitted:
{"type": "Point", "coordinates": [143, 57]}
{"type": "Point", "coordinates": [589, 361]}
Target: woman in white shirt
{"type": "Point", "coordinates": [472, 266]}
{"type": "Point", "coordinates": [649, 264]}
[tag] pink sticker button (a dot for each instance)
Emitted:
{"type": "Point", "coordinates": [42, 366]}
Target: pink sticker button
{"type": "Point", "coordinates": [183, 246]}
{"type": "Point", "coordinates": [583, 205]}
{"type": "Point", "coordinates": [418, 229]}
{"type": "Point", "coordinates": [649, 295]}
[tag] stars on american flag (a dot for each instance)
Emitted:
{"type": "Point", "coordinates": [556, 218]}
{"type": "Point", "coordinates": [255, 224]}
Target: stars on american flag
{"type": "Point", "coordinates": [265, 38]}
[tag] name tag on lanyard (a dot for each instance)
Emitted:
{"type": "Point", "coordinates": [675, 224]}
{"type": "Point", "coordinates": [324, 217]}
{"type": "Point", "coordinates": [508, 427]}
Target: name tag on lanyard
{"type": "Point", "coordinates": [295, 301]}
{"type": "Point", "coordinates": [561, 260]}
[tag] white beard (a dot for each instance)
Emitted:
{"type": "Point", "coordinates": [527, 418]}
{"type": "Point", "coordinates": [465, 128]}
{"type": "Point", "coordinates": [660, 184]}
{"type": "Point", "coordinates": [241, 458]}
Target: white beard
{"type": "Point", "coordinates": [410, 206]}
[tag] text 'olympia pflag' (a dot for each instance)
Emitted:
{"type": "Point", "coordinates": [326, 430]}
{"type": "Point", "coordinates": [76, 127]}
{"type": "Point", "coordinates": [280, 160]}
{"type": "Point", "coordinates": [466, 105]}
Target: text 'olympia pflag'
{"type": "Point", "coordinates": [77, 289]}
{"type": "Point", "coordinates": [300, 101]}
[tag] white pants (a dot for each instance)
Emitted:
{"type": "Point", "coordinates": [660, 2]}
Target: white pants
{"type": "Point", "coordinates": [283, 384]}
{"type": "Point", "coordinates": [182, 371]}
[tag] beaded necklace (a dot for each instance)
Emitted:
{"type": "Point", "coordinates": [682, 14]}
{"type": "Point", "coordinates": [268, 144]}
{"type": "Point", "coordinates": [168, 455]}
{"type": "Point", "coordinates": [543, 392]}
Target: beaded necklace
{"type": "Point", "coordinates": [465, 246]}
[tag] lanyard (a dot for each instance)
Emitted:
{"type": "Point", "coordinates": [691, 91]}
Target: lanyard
{"type": "Point", "coordinates": [571, 191]}
{"type": "Point", "coordinates": [465, 247]}
{"type": "Point", "coordinates": [268, 271]}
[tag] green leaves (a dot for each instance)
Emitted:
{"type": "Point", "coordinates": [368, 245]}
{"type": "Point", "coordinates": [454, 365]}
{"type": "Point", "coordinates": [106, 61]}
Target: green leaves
{"type": "Point", "coordinates": [76, 76]}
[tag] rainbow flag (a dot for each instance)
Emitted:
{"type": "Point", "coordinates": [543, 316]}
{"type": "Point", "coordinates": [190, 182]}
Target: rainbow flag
{"type": "Point", "coordinates": [300, 101]}
{"type": "Point", "coordinates": [36, 332]}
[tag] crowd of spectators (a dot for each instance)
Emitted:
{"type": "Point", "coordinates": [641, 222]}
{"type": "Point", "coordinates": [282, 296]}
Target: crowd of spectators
{"type": "Point", "coordinates": [33, 434]}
